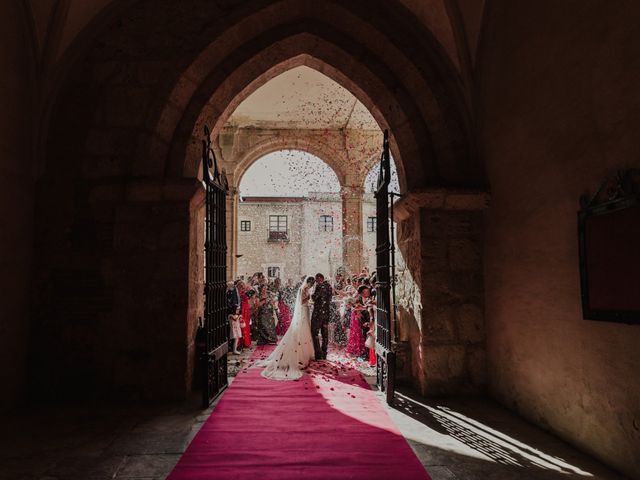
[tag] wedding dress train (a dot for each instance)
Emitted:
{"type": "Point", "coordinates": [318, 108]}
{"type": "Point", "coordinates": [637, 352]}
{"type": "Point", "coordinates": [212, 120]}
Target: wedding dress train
{"type": "Point", "coordinates": [295, 350]}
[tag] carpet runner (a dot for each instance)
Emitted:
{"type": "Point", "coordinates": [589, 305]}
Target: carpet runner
{"type": "Point", "coordinates": [327, 425]}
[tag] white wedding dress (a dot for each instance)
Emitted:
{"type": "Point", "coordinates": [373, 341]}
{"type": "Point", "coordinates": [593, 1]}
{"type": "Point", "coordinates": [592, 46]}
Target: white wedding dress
{"type": "Point", "coordinates": [295, 350]}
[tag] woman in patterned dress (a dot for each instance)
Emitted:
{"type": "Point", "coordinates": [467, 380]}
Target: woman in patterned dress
{"type": "Point", "coordinates": [266, 317]}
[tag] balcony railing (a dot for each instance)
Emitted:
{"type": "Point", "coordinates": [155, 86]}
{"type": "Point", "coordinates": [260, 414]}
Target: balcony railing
{"type": "Point", "coordinates": [278, 236]}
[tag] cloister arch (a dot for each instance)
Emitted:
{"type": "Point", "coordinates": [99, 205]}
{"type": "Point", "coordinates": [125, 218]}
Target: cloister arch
{"type": "Point", "coordinates": [320, 170]}
{"type": "Point", "coordinates": [351, 191]}
{"type": "Point", "coordinates": [274, 143]}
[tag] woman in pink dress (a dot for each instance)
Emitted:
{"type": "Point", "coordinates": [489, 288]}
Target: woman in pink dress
{"type": "Point", "coordinates": [284, 316]}
{"type": "Point", "coordinates": [246, 316]}
{"type": "Point", "coordinates": [355, 344]}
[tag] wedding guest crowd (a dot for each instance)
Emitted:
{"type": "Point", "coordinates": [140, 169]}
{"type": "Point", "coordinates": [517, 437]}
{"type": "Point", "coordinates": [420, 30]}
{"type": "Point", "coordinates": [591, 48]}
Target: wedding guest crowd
{"type": "Point", "coordinates": [261, 310]}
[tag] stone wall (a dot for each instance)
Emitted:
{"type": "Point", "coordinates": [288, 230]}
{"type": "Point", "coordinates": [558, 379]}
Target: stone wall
{"type": "Point", "coordinates": [440, 292]}
{"type": "Point", "coordinates": [121, 277]}
{"type": "Point", "coordinates": [560, 109]}
{"type": "Point", "coordinates": [309, 250]}
{"type": "Point", "coordinates": [321, 250]}
{"type": "Point", "coordinates": [257, 252]}
{"type": "Point", "coordinates": [17, 190]}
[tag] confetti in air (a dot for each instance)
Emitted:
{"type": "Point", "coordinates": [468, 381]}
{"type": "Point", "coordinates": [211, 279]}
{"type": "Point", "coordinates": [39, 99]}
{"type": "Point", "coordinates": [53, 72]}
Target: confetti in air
{"type": "Point", "coordinates": [300, 205]}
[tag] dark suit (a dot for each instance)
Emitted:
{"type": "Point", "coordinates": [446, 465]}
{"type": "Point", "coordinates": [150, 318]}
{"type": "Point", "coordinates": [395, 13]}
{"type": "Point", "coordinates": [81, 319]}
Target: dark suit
{"type": "Point", "coordinates": [233, 300]}
{"type": "Point", "coordinates": [320, 318]}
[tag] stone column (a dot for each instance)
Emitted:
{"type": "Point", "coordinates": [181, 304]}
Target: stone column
{"type": "Point", "coordinates": [352, 227]}
{"type": "Point", "coordinates": [446, 263]}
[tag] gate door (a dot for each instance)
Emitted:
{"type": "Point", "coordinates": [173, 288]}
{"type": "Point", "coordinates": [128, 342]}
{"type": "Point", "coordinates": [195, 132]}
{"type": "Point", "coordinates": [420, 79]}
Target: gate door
{"type": "Point", "coordinates": [214, 331]}
{"type": "Point", "coordinates": [385, 357]}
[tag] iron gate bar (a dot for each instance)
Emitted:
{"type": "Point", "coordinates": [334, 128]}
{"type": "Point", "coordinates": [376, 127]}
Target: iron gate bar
{"type": "Point", "coordinates": [385, 357]}
{"type": "Point", "coordinates": [394, 319]}
{"type": "Point", "coordinates": [215, 326]}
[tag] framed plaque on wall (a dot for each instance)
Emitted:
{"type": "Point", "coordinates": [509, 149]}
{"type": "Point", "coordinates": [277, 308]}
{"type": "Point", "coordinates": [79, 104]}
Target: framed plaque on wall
{"type": "Point", "coordinates": [609, 244]}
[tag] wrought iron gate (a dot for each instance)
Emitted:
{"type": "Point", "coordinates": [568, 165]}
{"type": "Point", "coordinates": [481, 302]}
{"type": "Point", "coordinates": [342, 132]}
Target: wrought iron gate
{"type": "Point", "coordinates": [214, 330]}
{"type": "Point", "coordinates": [385, 357]}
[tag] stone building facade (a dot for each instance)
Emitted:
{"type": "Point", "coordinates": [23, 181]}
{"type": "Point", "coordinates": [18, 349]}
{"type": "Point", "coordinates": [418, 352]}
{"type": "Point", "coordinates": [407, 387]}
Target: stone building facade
{"type": "Point", "coordinates": [288, 237]}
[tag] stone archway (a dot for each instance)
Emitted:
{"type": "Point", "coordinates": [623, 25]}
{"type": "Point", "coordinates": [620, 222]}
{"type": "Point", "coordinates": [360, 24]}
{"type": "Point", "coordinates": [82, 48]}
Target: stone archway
{"type": "Point", "coordinates": [423, 130]}
{"type": "Point", "coordinates": [123, 150]}
{"type": "Point", "coordinates": [330, 149]}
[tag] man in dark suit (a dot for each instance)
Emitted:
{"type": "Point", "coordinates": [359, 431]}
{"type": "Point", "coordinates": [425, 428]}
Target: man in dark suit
{"type": "Point", "coordinates": [233, 297]}
{"type": "Point", "coordinates": [320, 317]}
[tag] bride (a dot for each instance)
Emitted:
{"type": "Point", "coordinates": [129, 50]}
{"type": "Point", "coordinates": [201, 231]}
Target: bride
{"type": "Point", "coordinates": [295, 350]}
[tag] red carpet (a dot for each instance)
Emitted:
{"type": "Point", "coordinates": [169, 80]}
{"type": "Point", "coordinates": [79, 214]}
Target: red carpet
{"type": "Point", "coordinates": [327, 425]}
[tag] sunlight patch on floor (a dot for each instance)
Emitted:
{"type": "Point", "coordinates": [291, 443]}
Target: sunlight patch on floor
{"type": "Point", "coordinates": [469, 437]}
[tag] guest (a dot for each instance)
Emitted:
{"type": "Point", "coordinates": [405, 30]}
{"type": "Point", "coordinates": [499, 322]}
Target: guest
{"type": "Point", "coordinates": [355, 344]}
{"type": "Point", "coordinates": [337, 327]}
{"type": "Point", "coordinates": [253, 311]}
{"type": "Point", "coordinates": [246, 315]}
{"type": "Point", "coordinates": [235, 320]}
{"type": "Point", "coordinates": [266, 316]}
{"type": "Point", "coordinates": [370, 342]}
{"type": "Point", "coordinates": [283, 309]}
{"type": "Point", "coordinates": [368, 303]}
{"type": "Point", "coordinates": [290, 292]}
{"type": "Point", "coordinates": [233, 297]}
{"type": "Point", "coordinates": [373, 279]}
{"type": "Point", "coordinates": [349, 289]}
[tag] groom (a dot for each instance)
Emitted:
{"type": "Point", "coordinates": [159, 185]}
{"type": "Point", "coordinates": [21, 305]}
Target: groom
{"type": "Point", "coordinates": [320, 317]}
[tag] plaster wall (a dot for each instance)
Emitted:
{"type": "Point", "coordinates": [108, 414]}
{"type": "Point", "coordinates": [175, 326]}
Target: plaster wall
{"type": "Point", "coordinates": [308, 250]}
{"type": "Point", "coordinates": [322, 250]}
{"type": "Point", "coordinates": [16, 200]}
{"type": "Point", "coordinates": [559, 108]}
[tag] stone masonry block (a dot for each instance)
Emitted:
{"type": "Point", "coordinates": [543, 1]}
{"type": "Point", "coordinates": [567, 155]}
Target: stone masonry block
{"type": "Point", "coordinates": [432, 224]}
{"type": "Point", "coordinates": [434, 254]}
{"type": "Point", "coordinates": [445, 362]}
{"type": "Point", "coordinates": [464, 254]}
{"type": "Point", "coordinates": [477, 365]}
{"type": "Point", "coordinates": [470, 323]}
{"type": "Point", "coordinates": [439, 325]}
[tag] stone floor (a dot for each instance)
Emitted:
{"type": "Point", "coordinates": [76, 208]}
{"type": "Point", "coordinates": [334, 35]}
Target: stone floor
{"type": "Point", "coordinates": [477, 439]}
{"type": "Point", "coordinates": [457, 439]}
